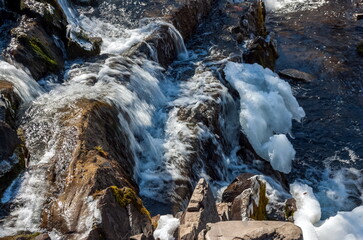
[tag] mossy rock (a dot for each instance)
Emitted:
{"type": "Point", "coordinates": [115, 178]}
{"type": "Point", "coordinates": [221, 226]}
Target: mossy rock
{"type": "Point", "coordinates": [360, 48]}
{"type": "Point", "coordinates": [125, 196]}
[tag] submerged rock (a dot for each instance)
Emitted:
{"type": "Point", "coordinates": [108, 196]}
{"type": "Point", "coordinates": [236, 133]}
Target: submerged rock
{"type": "Point", "coordinates": [252, 230]}
{"type": "Point", "coordinates": [297, 75]}
{"type": "Point", "coordinates": [360, 48]}
{"type": "Point", "coordinates": [200, 211]}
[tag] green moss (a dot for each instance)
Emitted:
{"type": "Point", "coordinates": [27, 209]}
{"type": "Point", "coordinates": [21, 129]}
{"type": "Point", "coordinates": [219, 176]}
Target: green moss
{"type": "Point", "coordinates": [40, 50]}
{"type": "Point", "coordinates": [29, 236]}
{"type": "Point", "coordinates": [102, 152]}
{"type": "Point", "coordinates": [259, 211]}
{"type": "Point", "coordinates": [125, 196]}
{"type": "Point", "coordinates": [360, 48]}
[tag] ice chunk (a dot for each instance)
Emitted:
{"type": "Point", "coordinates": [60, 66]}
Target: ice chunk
{"type": "Point", "coordinates": [267, 109]}
{"type": "Point", "coordinates": [166, 227]}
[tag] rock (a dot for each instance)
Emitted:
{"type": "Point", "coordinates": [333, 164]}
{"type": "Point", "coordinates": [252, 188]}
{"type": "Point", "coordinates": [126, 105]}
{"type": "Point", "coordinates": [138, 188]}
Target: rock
{"type": "Point", "coordinates": [252, 230]}
{"type": "Point", "coordinates": [358, 16]}
{"type": "Point", "coordinates": [262, 52]}
{"type": "Point", "coordinates": [85, 2]}
{"type": "Point", "coordinates": [360, 48]}
{"type": "Point", "coordinates": [12, 150]}
{"type": "Point", "coordinates": [239, 184]}
{"type": "Point", "coordinates": [290, 209]}
{"type": "Point", "coordinates": [296, 75]}
{"type": "Point", "coordinates": [91, 46]}
{"type": "Point", "coordinates": [91, 190]}
{"type": "Point", "coordinates": [49, 13]}
{"type": "Point", "coordinates": [248, 196]}
{"type": "Point", "coordinates": [32, 47]}
{"type": "Point", "coordinates": [200, 211]}
{"type": "Point", "coordinates": [188, 16]}
{"type": "Point", "coordinates": [43, 236]}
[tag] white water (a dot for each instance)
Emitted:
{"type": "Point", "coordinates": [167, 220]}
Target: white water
{"type": "Point", "coordinates": [166, 227]}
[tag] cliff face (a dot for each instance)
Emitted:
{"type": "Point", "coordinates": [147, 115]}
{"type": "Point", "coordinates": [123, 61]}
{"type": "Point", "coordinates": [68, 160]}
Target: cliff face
{"type": "Point", "coordinates": [87, 149]}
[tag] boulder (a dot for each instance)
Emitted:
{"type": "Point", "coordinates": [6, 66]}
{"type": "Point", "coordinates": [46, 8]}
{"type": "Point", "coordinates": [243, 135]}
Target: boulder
{"type": "Point", "coordinates": [248, 196]}
{"type": "Point", "coordinates": [200, 211]}
{"type": "Point", "coordinates": [34, 48]}
{"type": "Point", "coordinates": [296, 75]}
{"type": "Point", "coordinates": [28, 236]}
{"type": "Point", "coordinates": [224, 210]}
{"type": "Point", "coordinates": [252, 230]}
{"type": "Point", "coordinates": [80, 45]}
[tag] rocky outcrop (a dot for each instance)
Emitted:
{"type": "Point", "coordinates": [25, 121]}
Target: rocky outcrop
{"type": "Point", "coordinates": [252, 230]}
{"type": "Point", "coordinates": [248, 196]}
{"type": "Point", "coordinates": [28, 236]}
{"type": "Point", "coordinates": [200, 211]}
{"type": "Point", "coordinates": [93, 194]}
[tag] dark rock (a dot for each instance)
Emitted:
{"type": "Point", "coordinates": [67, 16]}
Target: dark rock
{"type": "Point", "coordinates": [85, 2]}
{"type": "Point", "coordinates": [13, 5]}
{"type": "Point", "coordinates": [248, 196]}
{"type": "Point", "coordinates": [262, 52]}
{"type": "Point", "coordinates": [239, 184]}
{"type": "Point", "coordinates": [252, 230]}
{"type": "Point", "coordinates": [27, 236]}
{"type": "Point", "coordinates": [290, 209]}
{"type": "Point", "coordinates": [358, 16]}
{"type": "Point", "coordinates": [200, 211]}
{"type": "Point", "coordinates": [296, 75]}
{"type": "Point", "coordinates": [32, 47]}
{"type": "Point", "coordinates": [49, 13]}
{"type": "Point", "coordinates": [360, 48]}
{"type": "Point", "coordinates": [12, 151]}
{"type": "Point", "coordinates": [76, 50]}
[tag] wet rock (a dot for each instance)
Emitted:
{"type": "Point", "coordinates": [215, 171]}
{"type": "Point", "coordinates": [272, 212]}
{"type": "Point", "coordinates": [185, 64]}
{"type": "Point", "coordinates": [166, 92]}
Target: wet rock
{"type": "Point", "coordinates": [200, 211]}
{"type": "Point", "coordinates": [32, 47]}
{"type": "Point", "coordinates": [49, 13]}
{"type": "Point", "coordinates": [297, 75]}
{"type": "Point", "coordinates": [248, 196]}
{"type": "Point", "coordinates": [358, 16]}
{"type": "Point", "coordinates": [13, 5]}
{"type": "Point", "coordinates": [252, 230]}
{"type": "Point", "coordinates": [91, 46]}
{"type": "Point", "coordinates": [360, 48]}
{"type": "Point", "coordinates": [12, 151]}
{"type": "Point", "coordinates": [261, 51]}
{"type": "Point", "coordinates": [188, 16]}
{"type": "Point", "coordinates": [85, 2]}
{"type": "Point", "coordinates": [92, 193]}
{"type": "Point", "coordinates": [290, 209]}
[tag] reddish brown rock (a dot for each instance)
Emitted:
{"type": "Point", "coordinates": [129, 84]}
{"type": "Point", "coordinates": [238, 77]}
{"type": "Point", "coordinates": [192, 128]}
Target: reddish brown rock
{"type": "Point", "coordinates": [296, 75]}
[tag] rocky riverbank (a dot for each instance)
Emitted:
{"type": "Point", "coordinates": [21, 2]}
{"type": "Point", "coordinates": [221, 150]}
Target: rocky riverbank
{"type": "Point", "coordinates": [74, 158]}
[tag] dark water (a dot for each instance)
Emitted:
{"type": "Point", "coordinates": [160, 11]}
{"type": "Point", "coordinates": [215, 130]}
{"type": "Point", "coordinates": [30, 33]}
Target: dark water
{"type": "Point", "coordinates": [330, 140]}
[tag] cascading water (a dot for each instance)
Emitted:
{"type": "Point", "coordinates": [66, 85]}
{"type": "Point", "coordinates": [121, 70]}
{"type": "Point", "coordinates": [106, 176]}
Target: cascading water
{"type": "Point", "coordinates": [167, 118]}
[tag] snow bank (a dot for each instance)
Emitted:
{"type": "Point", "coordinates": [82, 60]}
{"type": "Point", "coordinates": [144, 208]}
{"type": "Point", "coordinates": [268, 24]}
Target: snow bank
{"type": "Point", "coordinates": [166, 227]}
{"type": "Point", "coordinates": [267, 109]}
